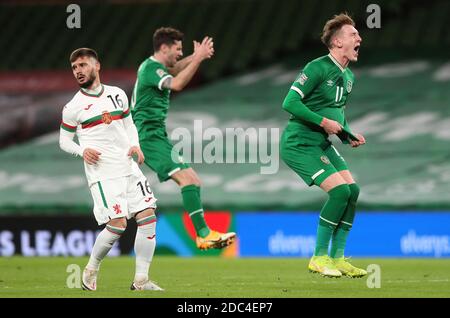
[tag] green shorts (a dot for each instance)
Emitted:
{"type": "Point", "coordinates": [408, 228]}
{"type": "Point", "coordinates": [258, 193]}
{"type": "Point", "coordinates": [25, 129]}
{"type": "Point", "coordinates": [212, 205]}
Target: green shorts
{"type": "Point", "coordinates": [160, 155]}
{"type": "Point", "coordinates": [312, 163]}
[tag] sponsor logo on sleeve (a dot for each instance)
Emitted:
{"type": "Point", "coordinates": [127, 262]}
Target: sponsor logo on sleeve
{"type": "Point", "coordinates": [302, 79]}
{"type": "Point", "coordinates": [160, 72]}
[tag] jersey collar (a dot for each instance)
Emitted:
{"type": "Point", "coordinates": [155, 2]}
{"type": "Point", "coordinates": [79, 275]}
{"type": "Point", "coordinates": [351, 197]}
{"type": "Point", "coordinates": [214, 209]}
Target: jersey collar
{"type": "Point", "coordinates": [91, 93]}
{"type": "Point", "coordinates": [336, 62]}
{"type": "Point", "coordinates": [155, 60]}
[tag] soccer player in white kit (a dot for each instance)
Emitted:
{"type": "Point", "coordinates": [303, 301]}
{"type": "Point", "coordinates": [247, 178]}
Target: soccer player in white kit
{"type": "Point", "coordinates": [100, 117]}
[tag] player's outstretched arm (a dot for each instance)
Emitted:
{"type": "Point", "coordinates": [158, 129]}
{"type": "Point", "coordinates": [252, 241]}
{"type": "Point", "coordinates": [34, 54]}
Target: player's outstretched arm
{"type": "Point", "coordinates": [181, 65]}
{"type": "Point", "coordinates": [202, 51]}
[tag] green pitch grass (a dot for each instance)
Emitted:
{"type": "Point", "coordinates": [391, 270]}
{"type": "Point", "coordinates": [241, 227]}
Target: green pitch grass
{"type": "Point", "coordinates": [219, 277]}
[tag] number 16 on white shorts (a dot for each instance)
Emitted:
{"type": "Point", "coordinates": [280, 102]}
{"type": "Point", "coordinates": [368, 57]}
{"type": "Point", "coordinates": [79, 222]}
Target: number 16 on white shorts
{"type": "Point", "coordinates": [121, 197]}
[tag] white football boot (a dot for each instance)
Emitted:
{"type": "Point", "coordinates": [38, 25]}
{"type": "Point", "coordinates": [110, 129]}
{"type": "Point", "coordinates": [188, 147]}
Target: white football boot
{"type": "Point", "coordinates": [89, 281]}
{"type": "Point", "coordinates": [145, 285]}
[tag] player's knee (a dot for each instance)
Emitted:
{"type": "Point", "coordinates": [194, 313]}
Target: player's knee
{"type": "Point", "coordinates": [196, 181]}
{"type": "Point", "coordinates": [120, 222]}
{"type": "Point", "coordinates": [189, 180]}
{"type": "Point", "coordinates": [354, 189]}
{"type": "Point", "coordinates": [340, 193]}
{"type": "Point", "coordinates": [145, 213]}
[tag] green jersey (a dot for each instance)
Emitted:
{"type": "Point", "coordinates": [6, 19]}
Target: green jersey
{"type": "Point", "coordinates": [150, 100]}
{"type": "Point", "coordinates": [323, 87]}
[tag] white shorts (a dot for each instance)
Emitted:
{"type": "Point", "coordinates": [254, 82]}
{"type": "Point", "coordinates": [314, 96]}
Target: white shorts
{"type": "Point", "coordinates": [121, 197]}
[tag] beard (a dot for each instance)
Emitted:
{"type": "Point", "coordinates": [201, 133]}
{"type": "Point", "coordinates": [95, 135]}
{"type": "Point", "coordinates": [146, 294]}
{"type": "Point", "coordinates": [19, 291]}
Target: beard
{"type": "Point", "coordinates": [89, 82]}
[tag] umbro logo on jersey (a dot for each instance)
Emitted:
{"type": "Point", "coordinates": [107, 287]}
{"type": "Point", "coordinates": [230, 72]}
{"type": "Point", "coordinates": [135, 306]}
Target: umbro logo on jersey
{"type": "Point", "coordinates": [88, 106]}
{"type": "Point", "coordinates": [330, 83]}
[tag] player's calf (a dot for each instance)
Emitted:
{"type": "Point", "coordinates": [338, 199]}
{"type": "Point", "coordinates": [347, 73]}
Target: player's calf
{"type": "Point", "coordinates": [144, 244]}
{"type": "Point", "coordinates": [103, 244]}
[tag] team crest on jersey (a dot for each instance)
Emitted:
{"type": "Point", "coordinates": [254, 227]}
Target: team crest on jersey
{"type": "Point", "coordinates": [302, 79]}
{"type": "Point", "coordinates": [349, 86]}
{"type": "Point", "coordinates": [325, 160]}
{"type": "Point", "coordinates": [106, 118]}
{"type": "Point", "coordinates": [160, 72]}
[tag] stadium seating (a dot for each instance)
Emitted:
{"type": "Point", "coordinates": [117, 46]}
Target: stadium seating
{"type": "Point", "coordinates": [260, 30]}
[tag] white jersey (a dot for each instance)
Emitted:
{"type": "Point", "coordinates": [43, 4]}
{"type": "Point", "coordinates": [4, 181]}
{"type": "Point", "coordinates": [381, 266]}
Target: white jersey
{"type": "Point", "coordinates": [102, 122]}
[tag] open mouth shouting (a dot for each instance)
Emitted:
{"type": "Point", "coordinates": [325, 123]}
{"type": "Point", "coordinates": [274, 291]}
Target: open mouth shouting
{"type": "Point", "coordinates": [356, 49]}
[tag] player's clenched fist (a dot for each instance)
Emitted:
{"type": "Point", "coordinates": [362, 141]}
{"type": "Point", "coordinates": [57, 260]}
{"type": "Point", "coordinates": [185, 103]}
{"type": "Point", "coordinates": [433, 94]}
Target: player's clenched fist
{"type": "Point", "coordinates": [356, 143]}
{"type": "Point", "coordinates": [331, 127]}
{"type": "Point", "coordinates": [91, 156]}
{"type": "Point", "coordinates": [138, 152]}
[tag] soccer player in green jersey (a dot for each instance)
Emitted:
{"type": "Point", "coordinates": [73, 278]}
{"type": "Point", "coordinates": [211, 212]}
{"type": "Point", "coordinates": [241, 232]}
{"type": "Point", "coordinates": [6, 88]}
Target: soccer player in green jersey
{"type": "Point", "coordinates": [316, 102]}
{"type": "Point", "coordinates": [157, 76]}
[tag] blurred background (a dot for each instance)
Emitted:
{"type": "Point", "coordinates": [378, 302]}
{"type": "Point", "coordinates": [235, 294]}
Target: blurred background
{"type": "Point", "coordinates": [400, 102]}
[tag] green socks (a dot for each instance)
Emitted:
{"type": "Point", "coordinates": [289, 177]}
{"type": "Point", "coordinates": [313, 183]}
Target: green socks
{"type": "Point", "coordinates": [338, 243]}
{"type": "Point", "coordinates": [330, 216]}
{"type": "Point", "coordinates": [343, 229]}
{"type": "Point", "coordinates": [323, 239]}
{"type": "Point", "coordinates": [349, 214]}
{"type": "Point", "coordinates": [335, 207]}
{"type": "Point", "coordinates": [193, 205]}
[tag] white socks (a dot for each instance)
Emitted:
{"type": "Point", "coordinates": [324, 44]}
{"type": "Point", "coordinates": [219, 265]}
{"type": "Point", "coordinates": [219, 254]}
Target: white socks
{"type": "Point", "coordinates": [144, 246]}
{"type": "Point", "coordinates": [104, 242]}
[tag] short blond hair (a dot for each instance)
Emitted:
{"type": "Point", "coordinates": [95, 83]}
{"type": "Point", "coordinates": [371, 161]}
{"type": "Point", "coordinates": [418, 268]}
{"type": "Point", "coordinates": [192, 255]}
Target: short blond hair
{"type": "Point", "coordinates": [333, 26]}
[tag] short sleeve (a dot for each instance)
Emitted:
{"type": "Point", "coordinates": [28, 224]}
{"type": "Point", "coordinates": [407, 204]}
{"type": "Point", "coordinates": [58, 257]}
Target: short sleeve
{"type": "Point", "coordinates": [154, 75]}
{"type": "Point", "coordinates": [308, 80]}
